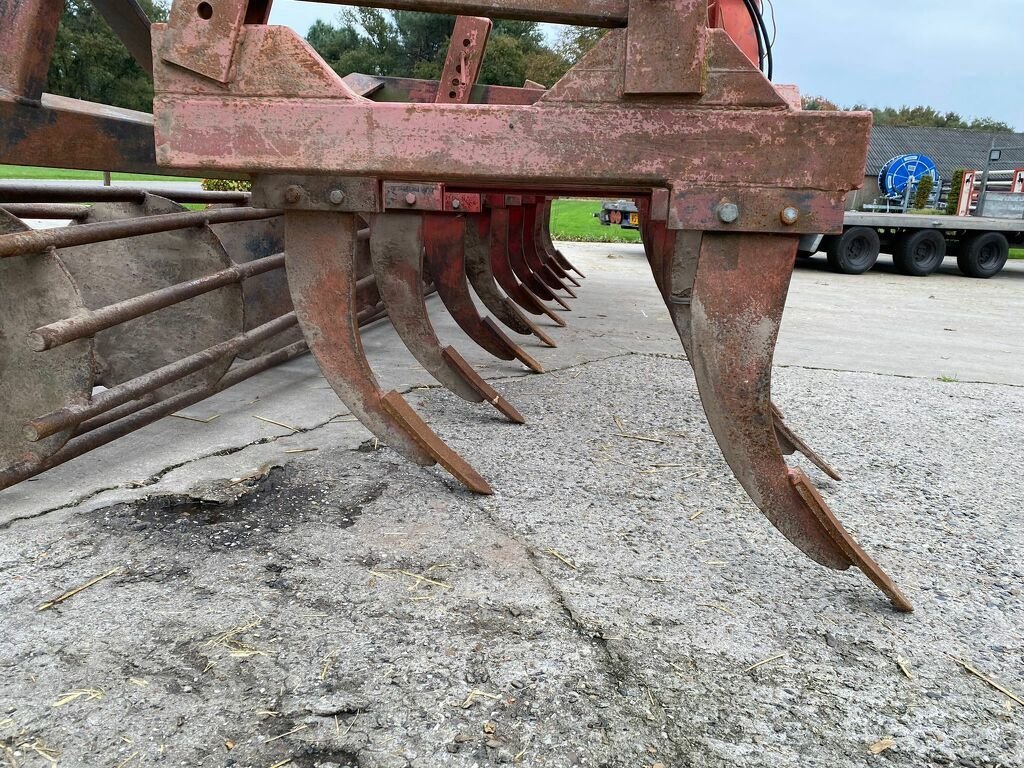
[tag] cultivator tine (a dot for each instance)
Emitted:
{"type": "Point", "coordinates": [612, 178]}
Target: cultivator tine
{"type": "Point", "coordinates": [396, 249]}
{"type": "Point", "coordinates": [503, 272]}
{"type": "Point", "coordinates": [321, 273]}
{"type": "Point", "coordinates": [549, 245]}
{"type": "Point", "coordinates": [517, 258]}
{"type": "Point", "coordinates": [532, 255]}
{"type": "Point", "coordinates": [444, 239]}
{"type": "Point", "coordinates": [481, 277]}
{"type": "Point", "coordinates": [673, 257]}
{"type": "Point", "coordinates": [790, 443]}
{"type": "Point", "coordinates": [731, 316]}
{"type": "Point", "coordinates": [545, 247]}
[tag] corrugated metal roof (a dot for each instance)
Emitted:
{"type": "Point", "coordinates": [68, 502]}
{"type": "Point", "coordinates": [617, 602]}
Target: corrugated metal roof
{"type": "Point", "coordinates": [950, 148]}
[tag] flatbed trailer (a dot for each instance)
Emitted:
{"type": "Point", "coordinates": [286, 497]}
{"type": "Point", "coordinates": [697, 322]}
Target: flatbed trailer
{"type": "Point", "coordinates": [918, 243]}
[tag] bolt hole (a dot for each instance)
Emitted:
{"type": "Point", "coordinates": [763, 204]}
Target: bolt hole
{"type": "Point", "coordinates": [455, 82]}
{"type": "Point", "coordinates": [467, 42]}
{"type": "Point", "coordinates": [452, 94]}
{"type": "Point", "coordinates": [458, 68]}
{"type": "Point", "coordinates": [205, 10]}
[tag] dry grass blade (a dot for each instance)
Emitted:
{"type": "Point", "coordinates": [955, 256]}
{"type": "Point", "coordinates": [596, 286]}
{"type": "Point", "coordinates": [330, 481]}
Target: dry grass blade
{"type": "Point", "coordinates": [904, 667]}
{"type": "Point", "coordinates": [644, 438]}
{"type": "Point", "coordinates": [50, 754]}
{"type": "Point", "coordinates": [296, 729]}
{"type": "Point", "coordinates": [420, 579]}
{"type": "Point", "coordinates": [90, 694]}
{"type": "Point", "coordinates": [475, 694]}
{"type": "Point", "coordinates": [752, 667]}
{"type": "Point", "coordinates": [257, 474]}
{"type": "Point", "coordinates": [328, 661]}
{"type": "Point", "coordinates": [128, 759]}
{"type": "Point", "coordinates": [995, 684]}
{"type": "Point", "coordinates": [302, 450]}
{"type": "Point", "coordinates": [721, 608]}
{"type": "Point", "coordinates": [559, 556]}
{"type": "Point", "coordinates": [72, 592]}
{"type": "Point", "coordinates": [881, 746]}
{"type": "Point", "coordinates": [286, 761]}
{"type": "Point", "coordinates": [619, 424]}
{"type": "Point", "coordinates": [277, 423]}
{"type": "Point", "coordinates": [195, 419]}
{"type": "Point", "coordinates": [695, 515]}
{"type": "Point", "coordinates": [230, 639]}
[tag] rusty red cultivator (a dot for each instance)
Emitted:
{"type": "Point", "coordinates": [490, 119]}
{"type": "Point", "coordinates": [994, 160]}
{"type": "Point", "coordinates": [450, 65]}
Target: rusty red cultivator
{"type": "Point", "coordinates": [385, 185]}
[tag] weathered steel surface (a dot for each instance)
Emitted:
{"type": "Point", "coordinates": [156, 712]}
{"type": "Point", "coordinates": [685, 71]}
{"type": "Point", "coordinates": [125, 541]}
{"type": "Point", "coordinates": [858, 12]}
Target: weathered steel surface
{"type": "Point", "coordinates": [591, 13]}
{"type": "Point", "coordinates": [502, 268]}
{"type": "Point", "coordinates": [112, 271]}
{"type": "Point", "coordinates": [444, 239]}
{"type": "Point", "coordinates": [130, 23]}
{"type": "Point", "coordinates": [481, 277]}
{"type": "Point", "coordinates": [396, 250]}
{"type": "Point", "coordinates": [28, 31]}
{"type": "Point", "coordinates": [464, 59]}
{"type": "Point", "coordinates": [36, 289]}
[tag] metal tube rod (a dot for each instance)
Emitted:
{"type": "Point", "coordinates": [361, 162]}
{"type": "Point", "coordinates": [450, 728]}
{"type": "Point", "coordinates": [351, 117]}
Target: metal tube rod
{"type": "Point", "coordinates": [29, 192]}
{"type": "Point", "coordinates": [46, 210]}
{"type": "Point", "coordinates": [34, 241]}
{"type": "Point", "coordinates": [109, 417]}
{"type": "Point", "coordinates": [592, 13]}
{"type": "Point", "coordinates": [70, 415]}
{"type": "Point", "coordinates": [96, 320]}
{"type": "Point", "coordinates": [107, 434]}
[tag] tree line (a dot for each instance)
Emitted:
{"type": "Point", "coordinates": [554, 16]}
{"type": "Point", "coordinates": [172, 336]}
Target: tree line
{"type": "Point", "coordinates": [914, 116]}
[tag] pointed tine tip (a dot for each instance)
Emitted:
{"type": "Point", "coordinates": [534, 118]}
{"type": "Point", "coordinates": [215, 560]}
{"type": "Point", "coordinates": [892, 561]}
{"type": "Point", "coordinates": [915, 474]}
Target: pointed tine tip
{"type": "Point", "coordinates": [846, 543]}
{"type": "Point", "coordinates": [562, 302]}
{"type": "Point", "coordinates": [459, 468]}
{"type": "Point", "coordinates": [543, 337]}
{"type": "Point", "coordinates": [485, 390]}
{"type": "Point", "coordinates": [520, 353]}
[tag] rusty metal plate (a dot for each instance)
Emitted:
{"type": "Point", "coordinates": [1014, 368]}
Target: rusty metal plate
{"type": "Point", "coordinates": [201, 36]}
{"type": "Point", "coordinates": [35, 289]}
{"type": "Point", "coordinates": [265, 296]}
{"type": "Point", "coordinates": [121, 269]}
{"type": "Point", "coordinates": [413, 197]}
{"type": "Point", "coordinates": [316, 193]}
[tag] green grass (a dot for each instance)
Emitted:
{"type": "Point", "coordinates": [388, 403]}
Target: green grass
{"type": "Point", "coordinates": [574, 220]}
{"type": "Point", "coordinates": [1017, 253]}
{"type": "Point", "coordinates": [29, 172]}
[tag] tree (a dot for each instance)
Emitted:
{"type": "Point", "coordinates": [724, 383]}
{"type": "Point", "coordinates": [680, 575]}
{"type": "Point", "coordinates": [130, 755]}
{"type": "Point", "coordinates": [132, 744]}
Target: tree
{"type": "Point", "coordinates": [412, 44]}
{"type": "Point", "coordinates": [573, 42]}
{"type": "Point", "coordinates": [89, 61]}
{"type": "Point", "coordinates": [931, 118]}
{"type": "Point", "coordinates": [818, 104]}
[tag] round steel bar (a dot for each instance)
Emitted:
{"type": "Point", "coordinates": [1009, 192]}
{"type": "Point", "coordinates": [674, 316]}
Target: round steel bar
{"type": "Point", "coordinates": [93, 321]}
{"type": "Point", "coordinates": [71, 415]}
{"type": "Point", "coordinates": [46, 210]}
{"type": "Point", "coordinates": [28, 192]}
{"type": "Point", "coordinates": [85, 234]}
{"type": "Point", "coordinates": [104, 435]}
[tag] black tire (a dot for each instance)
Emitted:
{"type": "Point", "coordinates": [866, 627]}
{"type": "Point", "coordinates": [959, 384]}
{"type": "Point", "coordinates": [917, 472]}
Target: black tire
{"type": "Point", "coordinates": [855, 251]}
{"type": "Point", "coordinates": [984, 254]}
{"type": "Point", "coordinates": [920, 253]}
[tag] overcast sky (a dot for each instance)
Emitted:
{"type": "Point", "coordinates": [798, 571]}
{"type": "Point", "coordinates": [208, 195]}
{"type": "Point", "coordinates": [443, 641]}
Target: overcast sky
{"type": "Point", "coordinates": [877, 52]}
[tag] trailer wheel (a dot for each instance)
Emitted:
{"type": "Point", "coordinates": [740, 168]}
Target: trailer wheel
{"type": "Point", "coordinates": [854, 252]}
{"type": "Point", "coordinates": [920, 253]}
{"type": "Point", "coordinates": [983, 255]}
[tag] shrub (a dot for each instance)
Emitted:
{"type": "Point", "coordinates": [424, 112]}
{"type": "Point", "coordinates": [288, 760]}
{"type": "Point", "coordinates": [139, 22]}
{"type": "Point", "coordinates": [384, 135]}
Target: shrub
{"type": "Point", "coordinates": [227, 185]}
{"type": "Point", "coordinates": [924, 192]}
{"type": "Point", "coordinates": [953, 204]}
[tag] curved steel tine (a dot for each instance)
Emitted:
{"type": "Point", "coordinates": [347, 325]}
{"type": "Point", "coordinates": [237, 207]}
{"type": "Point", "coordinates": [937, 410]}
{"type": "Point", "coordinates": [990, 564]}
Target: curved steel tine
{"type": "Point", "coordinates": [544, 246]}
{"type": "Point", "coordinates": [687, 245]}
{"type": "Point", "coordinates": [444, 239]}
{"type": "Point", "coordinates": [517, 258]}
{"type": "Point", "coordinates": [396, 251]}
{"type": "Point", "coordinates": [532, 256]}
{"type": "Point", "coordinates": [502, 268]}
{"type": "Point", "coordinates": [481, 277]}
{"type": "Point", "coordinates": [790, 443]}
{"type": "Point", "coordinates": [322, 279]}
{"type": "Point", "coordinates": [732, 316]}
{"type": "Point", "coordinates": [549, 244]}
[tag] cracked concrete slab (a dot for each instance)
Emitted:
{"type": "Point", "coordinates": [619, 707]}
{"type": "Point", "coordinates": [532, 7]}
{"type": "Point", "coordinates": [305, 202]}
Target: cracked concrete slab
{"type": "Point", "coordinates": [616, 603]}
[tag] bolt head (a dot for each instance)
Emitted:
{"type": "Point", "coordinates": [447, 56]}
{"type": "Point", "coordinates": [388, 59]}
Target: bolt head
{"type": "Point", "coordinates": [410, 199]}
{"type": "Point", "coordinates": [728, 212]}
{"type": "Point", "coordinates": [336, 196]}
{"type": "Point", "coordinates": [456, 204]}
{"type": "Point", "coordinates": [790, 215]}
{"type": "Point", "coordinates": [293, 194]}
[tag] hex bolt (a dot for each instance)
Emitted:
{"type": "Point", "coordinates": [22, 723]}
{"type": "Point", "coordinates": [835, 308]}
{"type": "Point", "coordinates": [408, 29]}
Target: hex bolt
{"type": "Point", "coordinates": [790, 215]}
{"type": "Point", "coordinates": [456, 204]}
{"type": "Point", "coordinates": [728, 212]}
{"type": "Point", "coordinates": [293, 194]}
{"type": "Point", "coordinates": [336, 196]}
{"type": "Point", "coordinates": [410, 199]}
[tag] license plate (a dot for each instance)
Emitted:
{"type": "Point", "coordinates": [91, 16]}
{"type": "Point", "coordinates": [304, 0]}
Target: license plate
{"type": "Point", "coordinates": [634, 219]}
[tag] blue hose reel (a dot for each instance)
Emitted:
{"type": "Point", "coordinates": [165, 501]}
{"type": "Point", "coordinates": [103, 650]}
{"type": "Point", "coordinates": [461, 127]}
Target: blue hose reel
{"type": "Point", "coordinates": [905, 172]}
